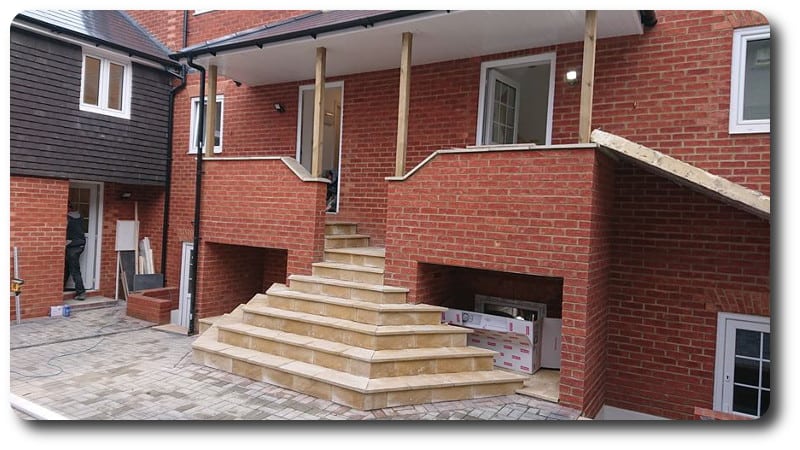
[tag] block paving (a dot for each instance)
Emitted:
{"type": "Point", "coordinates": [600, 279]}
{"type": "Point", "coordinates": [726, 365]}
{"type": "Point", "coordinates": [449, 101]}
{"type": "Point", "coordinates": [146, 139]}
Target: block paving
{"type": "Point", "coordinates": [103, 365]}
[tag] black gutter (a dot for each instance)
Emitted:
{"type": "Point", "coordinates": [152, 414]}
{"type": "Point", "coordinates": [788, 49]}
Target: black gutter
{"type": "Point", "coordinates": [168, 187]}
{"type": "Point", "coordinates": [166, 62]}
{"type": "Point", "coordinates": [311, 32]}
{"type": "Point", "coordinates": [648, 18]}
{"type": "Point", "coordinates": [197, 192]}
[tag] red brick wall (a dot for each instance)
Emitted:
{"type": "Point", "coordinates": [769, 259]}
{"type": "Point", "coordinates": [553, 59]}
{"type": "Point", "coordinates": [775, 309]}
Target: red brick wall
{"type": "Point", "coordinates": [150, 201]}
{"type": "Point", "coordinates": [679, 258]}
{"type": "Point", "coordinates": [261, 203]}
{"type": "Point", "coordinates": [596, 321]}
{"type": "Point", "coordinates": [229, 276]}
{"type": "Point", "coordinates": [168, 25]}
{"type": "Point", "coordinates": [520, 212]}
{"type": "Point", "coordinates": [38, 221]}
{"type": "Point", "coordinates": [645, 86]}
{"type": "Point", "coordinates": [669, 89]}
{"type": "Point", "coordinates": [274, 267]}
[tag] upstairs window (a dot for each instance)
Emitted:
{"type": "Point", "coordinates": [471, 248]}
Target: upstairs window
{"type": "Point", "coordinates": [750, 81]}
{"type": "Point", "coordinates": [195, 117]}
{"type": "Point", "coordinates": [106, 86]}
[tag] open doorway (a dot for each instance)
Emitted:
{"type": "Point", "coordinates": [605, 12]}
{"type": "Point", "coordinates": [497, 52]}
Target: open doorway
{"type": "Point", "coordinates": [86, 199]}
{"type": "Point", "coordinates": [516, 101]}
{"type": "Point", "coordinates": [332, 135]}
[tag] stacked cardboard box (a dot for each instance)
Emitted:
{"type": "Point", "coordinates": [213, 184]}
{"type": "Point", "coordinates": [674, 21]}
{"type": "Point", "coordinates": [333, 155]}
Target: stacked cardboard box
{"type": "Point", "coordinates": [517, 342]}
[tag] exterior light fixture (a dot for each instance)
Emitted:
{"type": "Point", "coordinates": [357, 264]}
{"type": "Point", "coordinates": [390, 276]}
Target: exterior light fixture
{"type": "Point", "coordinates": [571, 77]}
{"type": "Point", "coordinates": [279, 107]}
{"type": "Point", "coordinates": [125, 195]}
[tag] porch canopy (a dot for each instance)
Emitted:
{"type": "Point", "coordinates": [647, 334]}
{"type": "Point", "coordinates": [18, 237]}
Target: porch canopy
{"type": "Point", "coordinates": [364, 41]}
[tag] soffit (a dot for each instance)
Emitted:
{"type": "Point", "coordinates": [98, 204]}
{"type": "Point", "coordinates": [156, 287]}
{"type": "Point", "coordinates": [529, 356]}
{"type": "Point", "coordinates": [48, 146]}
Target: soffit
{"type": "Point", "coordinates": [438, 36]}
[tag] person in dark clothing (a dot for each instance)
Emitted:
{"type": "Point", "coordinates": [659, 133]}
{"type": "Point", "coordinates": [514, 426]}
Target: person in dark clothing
{"type": "Point", "coordinates": [75, 245]}
{"type": "Point", "coordinates": [331, 194]}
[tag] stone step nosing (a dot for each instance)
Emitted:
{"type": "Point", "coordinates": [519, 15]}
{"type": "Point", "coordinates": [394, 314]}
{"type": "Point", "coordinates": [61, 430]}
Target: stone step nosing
{"type": "Point", "coordinates": [357, 304]}
{"type": "Point", "coordinates": [351, 267]}
{"type": "Point", "coordinates": [356, 327]}
{"type": "Point", "coordinates": [349, 284]}
{"type": "Point", "coordinates": [346, 236]}
{"type": "Point", "coordinates": [361, 384]}
{"type": "Point", "coordinates": [357, 353]}
{"type": "Point", "coordinates": [360, 251]}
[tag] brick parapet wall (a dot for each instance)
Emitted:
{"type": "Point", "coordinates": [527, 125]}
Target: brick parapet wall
{"type": "Point", "coordinates": [523, 212]}
{"type": "Point", "coordinates": [678, 259]}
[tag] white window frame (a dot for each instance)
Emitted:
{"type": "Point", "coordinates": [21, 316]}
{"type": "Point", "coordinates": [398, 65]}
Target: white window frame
{"type": "Point", "coordinates": [105, 60]}
{"type": "Point", "coordinates": [747, 322]}
{"type": "Point", "coordinates": [542, 58]}
{"type": "Point", "coordinates": [737, 124]}
{"type": "Point", "coordinates": [193, 123]}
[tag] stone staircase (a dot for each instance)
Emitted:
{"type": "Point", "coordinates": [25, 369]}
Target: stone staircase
{"type": "Point", "coordinates": [340, 334]}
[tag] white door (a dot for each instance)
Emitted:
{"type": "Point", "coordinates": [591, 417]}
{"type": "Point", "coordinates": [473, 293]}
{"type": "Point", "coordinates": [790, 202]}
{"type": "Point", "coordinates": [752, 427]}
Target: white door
{"type": "Point", "coordinates": [742, 376]}
{"type": "Point", "coordinates": [185, 297]}
{"type": "Point", "coordinates": [86, 199]}
{"type": "Point", "coordinates": [503, 109]}
{"type": "Point", "coordinates": [332, 133]}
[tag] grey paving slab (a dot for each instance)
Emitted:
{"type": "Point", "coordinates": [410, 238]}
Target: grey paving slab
{"type": "Point", "coordinates": [103, 365]}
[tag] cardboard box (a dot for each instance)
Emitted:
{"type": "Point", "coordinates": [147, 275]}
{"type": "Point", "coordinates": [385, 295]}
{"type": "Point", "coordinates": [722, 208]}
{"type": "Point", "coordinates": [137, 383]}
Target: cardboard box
{"type": "Point", "coordinates": [56, 311]}
{"type": "Point", "coordinates": [517, 342]}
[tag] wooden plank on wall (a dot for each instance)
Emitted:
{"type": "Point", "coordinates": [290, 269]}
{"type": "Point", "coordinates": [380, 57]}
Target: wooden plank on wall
{"type": "Point", "coordinates": [587, 77]}
{"type": "Point", "coordinates": [211, 110]}
{"type": "Point", "coordinates": [319, 113]}
{"type": "Point", "coordinates": [402, 105]}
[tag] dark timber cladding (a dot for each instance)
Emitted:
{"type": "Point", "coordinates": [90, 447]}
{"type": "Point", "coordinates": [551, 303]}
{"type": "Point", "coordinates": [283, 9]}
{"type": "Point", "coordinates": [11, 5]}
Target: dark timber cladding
{"type": "Point", "coordinates": [52, 137]}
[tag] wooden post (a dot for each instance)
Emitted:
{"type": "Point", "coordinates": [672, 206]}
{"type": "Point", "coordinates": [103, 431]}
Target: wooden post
{"type": "Point", "coordinates": [587, 78]}
{"type": "Point", "coordinates": [211, 111]}
{"type": "Point", "coordinates": [402, 106]}
{"type": "Point", "coordinates": [319, 114]}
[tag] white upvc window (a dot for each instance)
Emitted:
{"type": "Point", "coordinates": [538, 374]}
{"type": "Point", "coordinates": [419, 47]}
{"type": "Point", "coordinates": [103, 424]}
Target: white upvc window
{"type": "Point", "coordinates": [106, 85]}
{"type": "Point", "coordinates": [195, 117]}
{"type": "Point", "coordinates": [750, 81]}
{"type": "Point", "coordinates": [743, 364]}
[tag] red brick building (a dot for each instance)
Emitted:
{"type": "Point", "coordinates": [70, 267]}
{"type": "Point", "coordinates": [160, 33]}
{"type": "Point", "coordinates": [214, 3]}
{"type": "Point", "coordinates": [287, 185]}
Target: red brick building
{"type": "Point", "coordinates": [467, 156]}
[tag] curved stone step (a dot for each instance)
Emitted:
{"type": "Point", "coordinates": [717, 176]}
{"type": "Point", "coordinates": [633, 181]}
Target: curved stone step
{"type": "Point", "coordinates": [352, 390]}
{"type": "Point", "coordinates": [360, 256]}
{"type": "Point", "coordinates": [376, 337]}
{"type": "Point", "coordinates": [356, 360]}
{"type": "Point", "coordinates": [339, 228]}
{"type": "Point", "coordinates": [346, 240]}
{"type": "Point", "coordinates": [347, 272]}
{"type": "Point", "coordinates": [279, 296]}
{"type": "Point", "coordinates": [377, 293]}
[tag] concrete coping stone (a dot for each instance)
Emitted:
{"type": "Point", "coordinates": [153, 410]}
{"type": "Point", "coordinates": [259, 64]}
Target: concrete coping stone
{"type": "Point", "coordinates": [291, 163]}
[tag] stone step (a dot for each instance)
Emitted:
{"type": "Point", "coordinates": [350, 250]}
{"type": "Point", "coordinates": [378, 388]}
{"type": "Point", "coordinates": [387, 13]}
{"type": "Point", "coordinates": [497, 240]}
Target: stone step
{"type": "Point", "coordinates": [339, 228]}
{"type": "Point", "coordinates": [348, 272]}
{"type": "Point", "coordinates": [358, 256]}
{"type": "Point", "coordinates": [355, 360]}
{"type": "Point", "coordinates": [279, 296]}
{"type": "Point", "coordinates": [376, 293]}
{"type": "Point", "coordinates": [348, 389]}
{"type": "Point", "coordinates": [383, 337]}
{"type": "Point", "coordinates": [346, 240]}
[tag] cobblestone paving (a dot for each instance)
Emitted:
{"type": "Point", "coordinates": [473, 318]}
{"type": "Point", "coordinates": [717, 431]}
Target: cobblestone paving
{"type": "Point", "coordinates": [102, 365]}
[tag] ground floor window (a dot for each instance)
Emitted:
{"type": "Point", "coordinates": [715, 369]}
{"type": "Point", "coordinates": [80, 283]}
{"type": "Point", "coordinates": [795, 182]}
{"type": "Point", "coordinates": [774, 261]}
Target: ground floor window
{"type": "Point", "coordinates": [742, 374]}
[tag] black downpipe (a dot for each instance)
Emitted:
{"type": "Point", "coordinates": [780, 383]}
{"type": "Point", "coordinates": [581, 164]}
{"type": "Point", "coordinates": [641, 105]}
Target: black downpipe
{"type": "Point", "coordinates": [197, 191]}
{"type": "Point", "coordinates": [168, 187]}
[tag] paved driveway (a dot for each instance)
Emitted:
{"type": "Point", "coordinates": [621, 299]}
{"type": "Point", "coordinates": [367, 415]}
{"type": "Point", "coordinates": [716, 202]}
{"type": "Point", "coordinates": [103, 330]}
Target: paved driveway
{"type": "Point", "coordinates": [102, 365]}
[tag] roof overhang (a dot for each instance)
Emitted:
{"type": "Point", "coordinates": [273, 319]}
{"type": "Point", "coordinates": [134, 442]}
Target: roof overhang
{"type": "Point", "coordinates": [438, 36]}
